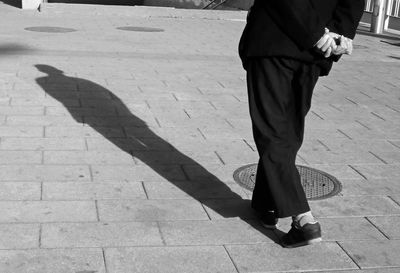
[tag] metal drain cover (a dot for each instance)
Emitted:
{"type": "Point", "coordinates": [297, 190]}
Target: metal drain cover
{"type": "Point", "coordinates": [316, 184]}
{"type": "Point", "coordinates": [141, 29]}
{"type": "Point", "coordinates": [51, 29]}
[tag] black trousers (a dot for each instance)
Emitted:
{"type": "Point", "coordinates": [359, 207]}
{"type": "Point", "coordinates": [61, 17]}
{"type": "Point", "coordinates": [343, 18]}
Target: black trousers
{"type": "Point", "coordinates": [280, 91]}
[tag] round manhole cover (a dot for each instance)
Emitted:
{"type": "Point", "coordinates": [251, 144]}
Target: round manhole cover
{"type": "Point", "coordinates": [316, 184]}
{"type": "Point", "coordinates": [141, 29]}
{"type": "Point", "coordinates": [51, 29]}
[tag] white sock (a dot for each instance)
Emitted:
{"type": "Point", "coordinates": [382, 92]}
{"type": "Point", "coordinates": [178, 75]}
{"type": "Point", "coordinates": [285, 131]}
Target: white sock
{"type": "Point", "coordinates": [304, 218]}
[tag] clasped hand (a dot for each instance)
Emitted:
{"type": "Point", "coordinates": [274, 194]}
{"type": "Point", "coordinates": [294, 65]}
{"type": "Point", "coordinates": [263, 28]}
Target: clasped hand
{"type": "Point", "coordinates": [333, 43]}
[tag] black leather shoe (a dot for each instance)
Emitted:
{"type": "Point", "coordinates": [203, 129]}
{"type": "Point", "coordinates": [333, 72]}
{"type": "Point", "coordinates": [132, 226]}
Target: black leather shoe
{"type": "Point", "coordinates": [301, 236]}
{"type": "Point", "coordinates": [268, 220]}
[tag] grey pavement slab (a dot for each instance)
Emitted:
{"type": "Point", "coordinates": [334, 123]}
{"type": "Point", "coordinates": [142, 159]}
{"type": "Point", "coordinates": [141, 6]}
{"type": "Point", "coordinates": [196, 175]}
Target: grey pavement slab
{"type": "Point", "coordinates": [216, 232]}
{"type": "Point", "coordinates": [38, 173]}
{"type": "Point", "coordinates": [274, 258]}
{"type": "Point", "coordinates": [369, 187]}
{"type": "Point", "coordinates": [169, 259]}
{"type": "Point", "coordinates": [88, 157]}
{"type": "Point", "coordinates": [101, 234]}
{"type": "Point", "coordinates": [340, 171]}
{"type": "Point", "coordinates": [376, 171]}
{"type": "Point", "coordinates": [163, 173]}
{"type": "Point", "coordinates": [194, 189]}
{"type": "Point", "coordinates": [52, 260]}
{"type": "Point", "coordinates": [42, 144]}
{"type": "Point", "coordinates": [382, 254]}
{"type": "Point", "coordinates": [20, 157]}
{"type": "Point", "coordinates": [375, 270]}
{"type": "Point", "coordinates": [390, 226]}
{"type": "Point", "coordinates": [21, 131]}
{"type": "Point", "coordinates": [20, 191]}
{"type": "Point", "coordinates": [19, 236]}
{"type": "Point", "coordinates": [355, 206]}
{"type": "Point", "coordinates": [82, 131]}
{"type": "Point", "coordinates": [150, 210]}
{"type": "Point", "coordinates": [92, 190]}
{"type": "Point", "coordinates": [47, 211]}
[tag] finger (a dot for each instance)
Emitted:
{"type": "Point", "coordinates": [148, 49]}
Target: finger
{"type": "Point", "coordinates": [328, 52]}
{"type": "Point", "coordinates": [327, 44]}
{"type": "Point", "coordinates": [322, 41]}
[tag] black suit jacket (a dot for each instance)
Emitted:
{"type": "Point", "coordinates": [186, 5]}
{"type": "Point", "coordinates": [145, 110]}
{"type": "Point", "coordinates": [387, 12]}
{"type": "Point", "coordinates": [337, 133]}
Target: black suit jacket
{"type": "Point", "coordinates": [291, 28]}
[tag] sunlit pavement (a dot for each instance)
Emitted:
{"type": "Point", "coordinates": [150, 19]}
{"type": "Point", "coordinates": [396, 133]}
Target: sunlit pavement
{"type": "Point", "coordinates": [121, 127]}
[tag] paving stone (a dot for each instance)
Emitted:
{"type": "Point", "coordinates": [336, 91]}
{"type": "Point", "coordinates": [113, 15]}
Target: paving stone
{"type": "Point", "coordinates": [42, 121]}
{"type": "Point", "coordinates": [389, 225]}
{"type": "Point", "coordinates": [169, 259]}
{"type": "Point", "coordinates": [52, 260]}
{"type": "Point", "coordinates": [229, 208]}
{"type": "Point", "coordinates": [42, 144]}
{"type": "Point", "coordinates": [340, 157]}
{"type": "Point", "coordinates": [379, 171]}
{"type": "Point", "coordinates": [355, 206]}
{"type": "Point", "coordinates": [193, 189]}
{"type": "Point", "coordinates": [21, 131]}
{"type": "Point", "coordinates": [92, 191]}
{"type": "Point", "coordinates": [77, 235]}
{"type": "Point", "coordinates": [354, 187]}
{"type": "Point", "coordinates": [20, 191]}
{"type": "Point", "coordinates": [395, 198]}
{"type": "Point", "coordinates": [219, 232]}
{"type": "Point", "coordinates": [382, 254]}
{"type": "Point", "coordinates": [150, 210]}
{"type": "Point", "coordinates": [47, 211]}
{"type": "Point", "coordinates": [339, 171]}
{"type": "Point", "coordinates": [43, 101]}
{"type": "Point", "coordinates": [88, 157]}
{"type": "Point", "coordinates": [18, 110]}
{"type": "Point", "coordinates": [20, 157]}
{"type": "Point", "coordinates": [174, 157]}
{"type": "Point", "coordinates": [234, 157]}
{"type": "Point", "coordinates": [83, 131]}
{"type": "Point", "coordinates": [127, 144]}
{"type": "Point", "coordinates": [19, 236]}
{"type": "Point", "coordinates": [82, 111]}
{"type": "Point", "coordinates": [37, 173]}
{"type": "Point", "coordinates": [127, 121]}
{"type": "Point", "coordinates": [376, 270]}
{"type": "Point", "coordinates": [138, 173]}
{"type": "Point", "coordinates": [211, 172]}
{"type": "Point", "coordinates": [274, 258]}
{"type": "Point", "coordinates": [392, 157]}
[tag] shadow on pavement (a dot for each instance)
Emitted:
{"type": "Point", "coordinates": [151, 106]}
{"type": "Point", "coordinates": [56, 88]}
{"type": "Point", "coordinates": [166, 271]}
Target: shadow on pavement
{"type": "Point", "coordinates": [14, 3]}
{"type": "Point", "coordinates": [12, 49]}
{"type": "Point", "coordinates": [142, 142]}
{"type": "Point", "coordinates": [394, 57]}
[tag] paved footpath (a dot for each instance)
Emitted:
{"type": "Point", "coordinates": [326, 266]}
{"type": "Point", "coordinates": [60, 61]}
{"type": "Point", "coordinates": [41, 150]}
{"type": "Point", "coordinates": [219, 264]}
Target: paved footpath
{"type": "Point", "coordinates": [117, 148]}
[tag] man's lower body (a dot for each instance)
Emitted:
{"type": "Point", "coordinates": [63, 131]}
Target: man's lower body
{"type": "Point", "coordinates": [280, 91]}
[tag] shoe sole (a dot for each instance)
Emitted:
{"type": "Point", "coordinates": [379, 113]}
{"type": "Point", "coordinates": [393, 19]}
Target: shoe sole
{"type": "Point", "coordinates": [309, 242]}
{"type": "Point", "coordinates": [267, 226]}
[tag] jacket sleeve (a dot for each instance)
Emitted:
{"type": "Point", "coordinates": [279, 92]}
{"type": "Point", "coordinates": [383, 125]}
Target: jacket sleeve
{"type": "Point", "coordinates": [298, 19]}
{"type": "Point", "coordinates": [346, 17]}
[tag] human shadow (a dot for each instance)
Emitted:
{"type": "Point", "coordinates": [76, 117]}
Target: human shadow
{"type": "Point", "coordinates": [13, 3]}
{"type": "Point", "coordinates": [143, 144]}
